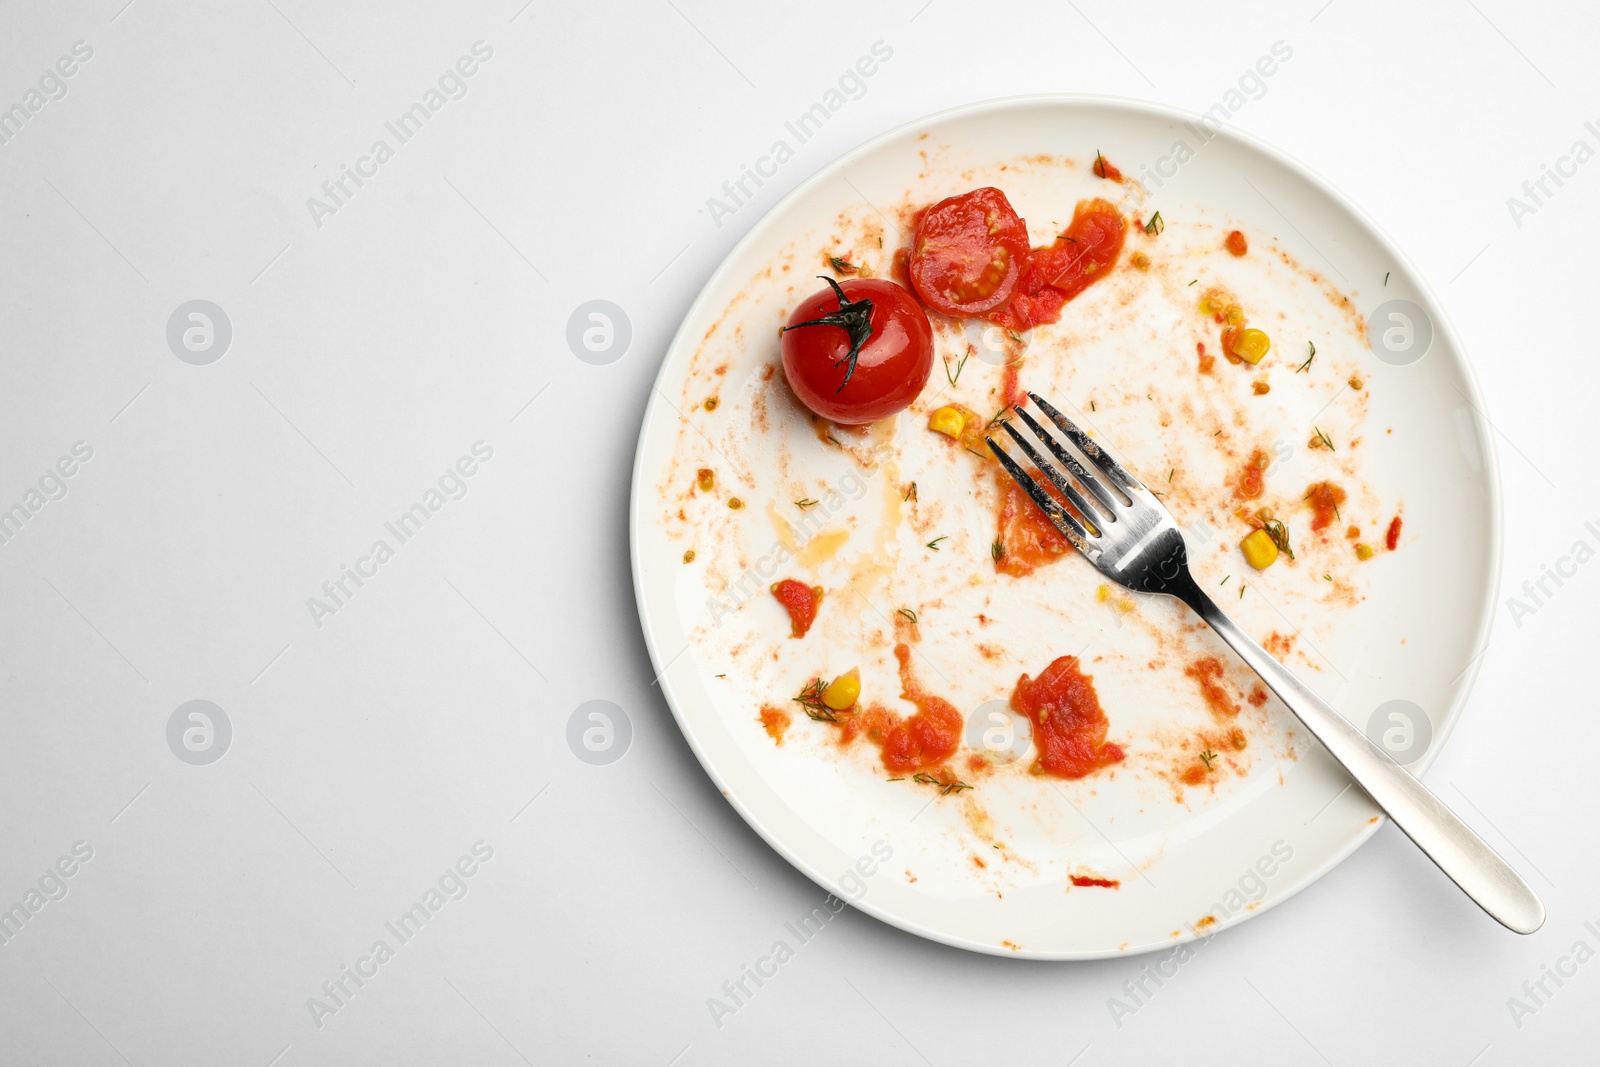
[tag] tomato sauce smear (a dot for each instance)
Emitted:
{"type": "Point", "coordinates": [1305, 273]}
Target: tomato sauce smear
{"type": "Point", "coordinates": [1325, 498]}
{"type": "Point", "coordinates": [1028, 539]}
{"type": "Point", "coordinates": [1252, 479]}
{"type": "Point", "coordinates": [1069, 726]}
{"type": "Point", "coordinates": [909, 745]}
{"type": "Point", "coordinates": [1209, 673]}
{"type": "Point", "coordinates": [801, 601]}
{"type": "Point", "coordinates": [1081, 256]}
{"type": "Point", "coordinates": [1103, 883]}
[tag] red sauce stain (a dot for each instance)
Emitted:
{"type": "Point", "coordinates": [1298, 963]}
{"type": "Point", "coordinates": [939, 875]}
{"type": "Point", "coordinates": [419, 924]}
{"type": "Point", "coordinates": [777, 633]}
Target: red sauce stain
{"type": "Point", "coordinates": [1209, 920]}
{"type": "Point", "coordinates": [909, 745]}
{"type": "Point", "coordinates": [978, 862]}
{"type": "Point", "coordinates": [1103, 883]}
{"type": "Point", "coordinates": [1208, 672]}
{"type": "Point", "coordinates": [931, 735]}
{"type": "Point", "coordinates": [1324, 498]}
{"type": "Point", "coordinates": [1027, 538]}
{"type": "Point", "coordinates": [1207, 363]}
{"type": "Point", "coordinates": [1069, 726]}
{"type": "Point", "coordinates": [1280, 645]}
{"type": "Point", "coordinates": [1104, 168]}
{"type": "Point", "coordinates": [775, 721]}
{"type": "Point", "coordinates": [1011, 391]}
{"type": "Point", "coordinates": [801, 600]}
{"type": "Point", "coordinates": [1252, 479]}
{"type": "Point", "coordinates": [1078, 258]}
{"type": "Point", "coordinates": [900, 267]}
{"type": "Point", "coordinates": [1236, 243]}
{"type": "Point", "coordinates": [1391, 540]}
{"type": "Point", "coordinates": [1258, 696]}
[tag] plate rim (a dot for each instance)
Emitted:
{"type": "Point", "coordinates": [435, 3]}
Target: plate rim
{"type": "Point", "coordinates": [1451, 715]}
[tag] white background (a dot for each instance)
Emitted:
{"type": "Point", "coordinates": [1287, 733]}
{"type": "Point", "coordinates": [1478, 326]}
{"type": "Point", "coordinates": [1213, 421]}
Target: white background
{"type": "Point", "coordinates": [371, 752]}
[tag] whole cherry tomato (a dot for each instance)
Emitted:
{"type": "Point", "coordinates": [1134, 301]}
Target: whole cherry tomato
{"type": "Point", "coordinates": [858, 351]}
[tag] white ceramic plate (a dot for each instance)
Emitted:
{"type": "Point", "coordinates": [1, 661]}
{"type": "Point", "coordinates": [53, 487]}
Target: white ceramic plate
{"type": "Point", "coordinates": [1187, 867]}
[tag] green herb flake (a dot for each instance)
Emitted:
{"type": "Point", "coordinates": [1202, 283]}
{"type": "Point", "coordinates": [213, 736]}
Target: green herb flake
{"type": "Point", "coordinates": [945, 788]}
{"type": "Point", "coordinates": [953, 378]}
{"type": "Point", "coordinates": [810, 699]}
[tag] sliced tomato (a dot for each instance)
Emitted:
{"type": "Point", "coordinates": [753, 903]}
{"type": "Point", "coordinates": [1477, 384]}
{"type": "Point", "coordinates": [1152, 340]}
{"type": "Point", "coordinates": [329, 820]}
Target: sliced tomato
{"type": "Point", "coordinates": [968, 252]}
{"type": "Point", "coordinates": [1084, 254]}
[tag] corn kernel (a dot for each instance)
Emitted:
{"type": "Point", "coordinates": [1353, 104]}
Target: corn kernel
{"type": "Point", "coordinates": [1141, 261]}
{"type": "Point", "coordinates": [1234, 314]}
{"type": "Point", "coordinates": [843, 691]}
{"type": "Point", "coordinates": [1363, 551]}
{"type": "Point", "coordinates": [1357, 383]}
{"type": "Point", "coordinates": [1251, 345]}
{"type": "Point", "coordinates": [949, 421]}
{"type": "Point", "coordinates": [1206, 306]}
{"type": "Point", "coordinates": [1259, 549]}
{"type": "Point", "coordinates": [1260, 388]}
{"type": "Point", "coordinates": [705, 478]}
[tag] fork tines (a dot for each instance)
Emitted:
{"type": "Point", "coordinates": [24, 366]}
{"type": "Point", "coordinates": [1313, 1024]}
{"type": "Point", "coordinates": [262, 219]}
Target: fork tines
{"type": "Point", "coordinates": [1109, 487]}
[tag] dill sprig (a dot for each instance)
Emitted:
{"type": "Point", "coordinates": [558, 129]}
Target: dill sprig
{"type": "Point", "coordinates": [945, 788]}
{"type": "Point", "coordinates": [953, 378]}
{"type": "Point", "coordinates": [1279, 534]}
{"type": "Point", "coordinates": [810, 699]}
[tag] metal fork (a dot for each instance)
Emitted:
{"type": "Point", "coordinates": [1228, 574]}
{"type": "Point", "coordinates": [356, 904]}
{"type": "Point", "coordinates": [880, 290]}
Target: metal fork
{"type": "Point", "coordinates": [1128, 534]}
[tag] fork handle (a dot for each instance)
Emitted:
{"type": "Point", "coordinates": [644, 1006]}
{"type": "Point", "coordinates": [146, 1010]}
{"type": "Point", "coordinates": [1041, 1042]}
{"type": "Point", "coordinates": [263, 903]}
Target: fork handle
{"type": "Point", "coordinates": [1438, 831]}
